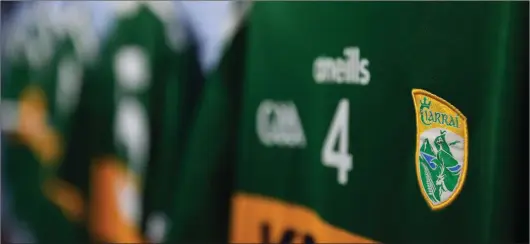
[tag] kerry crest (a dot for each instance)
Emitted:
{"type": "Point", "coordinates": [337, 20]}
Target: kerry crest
{"type": "Point", "coordinates": [441, 149]}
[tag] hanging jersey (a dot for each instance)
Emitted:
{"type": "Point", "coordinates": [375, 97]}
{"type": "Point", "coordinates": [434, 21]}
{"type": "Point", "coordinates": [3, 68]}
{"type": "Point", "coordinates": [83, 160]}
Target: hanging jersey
{"type": "Point", "coordinates": [49, 53]}
{"type": "Point", "coordinates": [16, 227]}
{"type": "Point", "coordinates": [360, 122]}
{"type": "Point", "coordinates": [147, 80]}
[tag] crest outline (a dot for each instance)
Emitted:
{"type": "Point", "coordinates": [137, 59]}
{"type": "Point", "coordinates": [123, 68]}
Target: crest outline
{"type": "Point", "coordinates": [463, 174]}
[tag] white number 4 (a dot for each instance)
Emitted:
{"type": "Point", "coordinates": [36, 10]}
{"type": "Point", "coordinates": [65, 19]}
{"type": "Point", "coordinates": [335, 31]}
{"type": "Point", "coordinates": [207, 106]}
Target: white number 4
{"type": "Point", "coordinates": [340, 159]}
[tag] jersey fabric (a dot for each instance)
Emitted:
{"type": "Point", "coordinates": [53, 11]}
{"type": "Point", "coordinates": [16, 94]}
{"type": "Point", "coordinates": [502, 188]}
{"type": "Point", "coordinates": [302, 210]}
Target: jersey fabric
{"type": "Point", "coordinates": [307, 131]}
{"type": "Point", "coordinates": [48, 52]}
{"type": "Point", "coordinates": [148, 77]}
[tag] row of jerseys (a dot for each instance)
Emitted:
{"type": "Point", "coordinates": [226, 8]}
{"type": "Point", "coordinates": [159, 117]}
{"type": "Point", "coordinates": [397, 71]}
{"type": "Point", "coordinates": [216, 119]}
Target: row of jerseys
{"type": "Point", "coordinates": [95, 102]}
{"type": "Point", "coordinates": [344, 122]}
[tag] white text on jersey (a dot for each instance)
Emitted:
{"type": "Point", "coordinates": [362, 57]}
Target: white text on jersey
{"type": "Point", "coordinates": [349, 70]}
{"type": "Point", "coordinates": [278, 124]}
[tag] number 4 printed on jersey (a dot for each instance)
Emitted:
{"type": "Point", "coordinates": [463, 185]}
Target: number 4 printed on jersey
{"type": "Point", "coordinates": [340, 159]}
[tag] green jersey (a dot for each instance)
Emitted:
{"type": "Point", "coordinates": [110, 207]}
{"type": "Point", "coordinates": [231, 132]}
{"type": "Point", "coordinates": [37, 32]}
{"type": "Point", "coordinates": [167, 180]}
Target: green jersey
{"type": "Point", "coordinates": [146, 82]}
{"type": "Point", "coordinates": [360, 122]}
{"type": "Point", "coordinates": [48, 55]}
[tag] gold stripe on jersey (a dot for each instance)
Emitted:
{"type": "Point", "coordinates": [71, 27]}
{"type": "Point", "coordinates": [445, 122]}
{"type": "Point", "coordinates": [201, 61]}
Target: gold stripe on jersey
{"type": "Point", "coordinates": [108, 222]}
{"type": "Point", "coordinates": [33, 128]}
{"type": "Point", "coordinates": [259, 219]}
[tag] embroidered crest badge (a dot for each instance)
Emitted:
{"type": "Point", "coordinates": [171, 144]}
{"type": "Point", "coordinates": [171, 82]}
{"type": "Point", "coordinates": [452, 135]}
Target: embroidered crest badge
{"type": "Point", "coordinates": [441, 149]}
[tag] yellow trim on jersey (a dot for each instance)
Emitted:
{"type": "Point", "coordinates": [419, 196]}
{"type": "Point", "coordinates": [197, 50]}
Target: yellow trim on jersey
{"type": "Point", "coordinates": [250, 212]}
{"type": "Point", "coordinates": [108, 222]}
{"type": "Point", "coordinates": [34, 129]}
